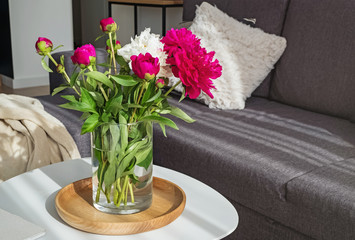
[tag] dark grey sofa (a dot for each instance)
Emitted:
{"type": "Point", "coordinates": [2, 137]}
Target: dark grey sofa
{"type": "Point", "coordinates": [287, 161]}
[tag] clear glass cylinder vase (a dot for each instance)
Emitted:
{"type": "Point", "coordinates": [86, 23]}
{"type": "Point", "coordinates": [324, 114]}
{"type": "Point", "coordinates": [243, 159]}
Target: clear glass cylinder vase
{"type": "Point", "coordinates": [122, 161]}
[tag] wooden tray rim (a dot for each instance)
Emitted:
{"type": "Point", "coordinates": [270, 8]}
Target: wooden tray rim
{"type": "Point", "coordinates": [174, 213]}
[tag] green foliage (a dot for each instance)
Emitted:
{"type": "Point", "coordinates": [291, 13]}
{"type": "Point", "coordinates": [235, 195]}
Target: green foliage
{"type": "Point", "coordinates": [45, 66]}
{"type": "Point", "coordinates": [119, 110]}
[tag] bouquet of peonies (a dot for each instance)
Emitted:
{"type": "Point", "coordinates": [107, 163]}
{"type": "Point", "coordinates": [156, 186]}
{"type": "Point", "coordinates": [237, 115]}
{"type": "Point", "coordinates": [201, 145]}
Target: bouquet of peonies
{"type": "Point", "coordinates": [132, 90]}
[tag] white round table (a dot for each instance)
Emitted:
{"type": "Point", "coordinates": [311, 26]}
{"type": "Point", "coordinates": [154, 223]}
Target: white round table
{"type": "Point", "coordinates": [207, 214]}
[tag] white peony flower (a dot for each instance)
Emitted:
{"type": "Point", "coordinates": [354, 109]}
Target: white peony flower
{"type": "Point", "coordinates": [147, 42]}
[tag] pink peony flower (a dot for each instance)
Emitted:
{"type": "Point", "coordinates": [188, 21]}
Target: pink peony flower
{"type": "Point", "coordinates": [108, 25]}
{"type": "Point", "coordinates": [195, 70]}
{"type": "Point", "coordinates": [145, 66]}
{"type": "Point", "coordinates": [190, 62]}
{"type": "Point", "coordinates": [177, 40]}
{"type": "Point", "coordinates": [43, 46]}
{"type": "Point", "coordinates": [84, 55]}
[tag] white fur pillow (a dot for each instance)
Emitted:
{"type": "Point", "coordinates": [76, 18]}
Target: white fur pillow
{"type": "Point", "coordinates": [246, 54]}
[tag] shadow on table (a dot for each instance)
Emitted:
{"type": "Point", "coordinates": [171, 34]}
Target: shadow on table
{"type": "Point", "coordinates": [68, 171]}
{"type": "Point", "coordinates": [203, 223]}
{"type": "Point", "coordinates": [50, 206]}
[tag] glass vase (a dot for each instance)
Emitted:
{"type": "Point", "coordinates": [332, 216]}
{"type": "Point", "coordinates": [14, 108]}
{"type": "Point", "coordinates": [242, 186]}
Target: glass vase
{"type": "Point", "coordinates": [122, 160]}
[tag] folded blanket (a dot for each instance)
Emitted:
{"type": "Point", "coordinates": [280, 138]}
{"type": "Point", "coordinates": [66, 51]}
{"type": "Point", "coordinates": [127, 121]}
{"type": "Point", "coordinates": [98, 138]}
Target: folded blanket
{"type": "Point", "coordinates": [30, 137]}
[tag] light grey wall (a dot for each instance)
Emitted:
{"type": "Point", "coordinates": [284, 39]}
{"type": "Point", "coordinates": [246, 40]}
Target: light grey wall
{"type": "Point", "coordinates": [30, 19]}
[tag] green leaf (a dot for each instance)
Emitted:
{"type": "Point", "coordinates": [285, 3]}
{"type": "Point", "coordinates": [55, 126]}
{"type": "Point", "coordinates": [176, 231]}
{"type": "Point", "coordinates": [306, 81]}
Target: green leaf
{"type": "Point", "coordinates": [57, 48]}
{"type": "Point", "coordinates": [104, 65]}
{"type": "Point", "coordinates": [90, 123]}
{"type": "Point", "coordinates": [59, 89]}
{"type": "Point", "coordinates": [92, 83]}
{"type": "Point", "coordinates": [124, 164]}
{"type": "Point", "coordinates": [182, 95]}
{"type": "Point", "coordinates": [143, 153]}
{"type": "Point", "coordinates": [87, 99]}
{"type": "Point", "coordinates": [110, 174]}
{"type": "Point", "coordinates": [99, 37]}
{"type": "Point", "coordinates": [78, 106]}
{"type": "Point", "coordinates": [115, 133]}
{"type": "Point", "coordinates": [73, 78]}
{"type": "Point", "coordinates": [120, 60]}
{"type": "Point", "coordinates": [84, 116]}
{"type": "Point", "coordinates": [131, 105]}
{"type": "Point", "coordinates": [105, 117]}
{"type": "Point", "coordinates": [149, 92]}
{"type": "Point", "coordinates": [177, 112]}
{"type": "Point", "coordinates": [62, 60]}
{"type": "Point", "coordinates": [162, 126]}
{"type": "Point", "coordinates": [147, 161]}
{"type": "Point", "coordinates": [70, 98]}
{"type": "Point", "coordinates": [98, 98]}
{"type": "Point", "coordinates": [114, 105]}
{"type": "Point", "coordinates": [155, 96]}
{"type": "Point", "coordinates": [98, 76]}
{"type": "Point", "coordinates": [124, 80]}
{"type": "Point", "coordinates": [123, 131]}
{"type": "Point", "coordinates": [45, 66]}
{"type": "Point", "coordinates": [159, 119]}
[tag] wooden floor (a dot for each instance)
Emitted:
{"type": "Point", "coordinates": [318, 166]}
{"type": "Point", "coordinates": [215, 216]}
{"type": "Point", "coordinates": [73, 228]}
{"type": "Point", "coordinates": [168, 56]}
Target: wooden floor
{"type": "Point", "coordinates": [30, 92]}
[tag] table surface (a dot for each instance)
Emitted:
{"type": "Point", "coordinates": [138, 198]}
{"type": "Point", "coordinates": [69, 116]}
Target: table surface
{"type": "Point", "coordinates": [152, 2]}
{"type": "Point", "coordinates": [207, 214]}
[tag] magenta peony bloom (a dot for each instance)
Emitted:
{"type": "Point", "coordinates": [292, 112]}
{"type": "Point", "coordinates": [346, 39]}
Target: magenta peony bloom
{"type": "Point", "coordinates": [108, 25]}
{"type": "Point", "coordinates": [84, 55]}
{"type": "Point", "coordinates": [145, 66]}
{"type": "Point", "coordinates": [190, 62]}
{"type": "Point", "coordinates": [43, 46]}
{"type": "Point", "coordinates": [177, 40]}
{"type": "Point", "coordinates": [195, 70]}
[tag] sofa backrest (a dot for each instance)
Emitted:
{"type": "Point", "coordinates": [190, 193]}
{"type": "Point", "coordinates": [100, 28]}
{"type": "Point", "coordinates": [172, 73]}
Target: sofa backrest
{"type": "Point", "coordinates": [317, 69]}
{"type": "Point", "coordinates": [269, 15]}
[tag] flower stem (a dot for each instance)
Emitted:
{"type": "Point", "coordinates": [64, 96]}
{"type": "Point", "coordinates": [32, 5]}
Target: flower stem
{"type": "Point", "coordinates": [139, 98]}
{"type": "Point", "coordinates": [103, 91]}
{"type": "Point", "coordinates": [100, 183]}
{"type": "Point", "coordinates": [172, 88]}
{"type": "Point", "coordinates": [131, 192]}
{"type": "Point", "coordinates": [64, 73]}
{"type": "Point", "coordinates": [112, 53]}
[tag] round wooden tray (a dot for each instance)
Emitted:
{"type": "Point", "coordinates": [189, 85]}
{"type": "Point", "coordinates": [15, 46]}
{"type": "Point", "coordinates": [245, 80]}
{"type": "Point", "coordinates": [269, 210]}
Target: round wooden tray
{"type": "Point", "coordinates": [74, 206]}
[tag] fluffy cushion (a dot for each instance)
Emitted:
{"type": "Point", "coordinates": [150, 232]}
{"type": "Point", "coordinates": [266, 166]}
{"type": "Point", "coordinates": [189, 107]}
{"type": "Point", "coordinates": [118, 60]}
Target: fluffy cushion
{"type": "Point", "coordinates": [246, 54]}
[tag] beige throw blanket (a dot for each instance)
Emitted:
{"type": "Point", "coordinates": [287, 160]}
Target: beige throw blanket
{"type": "Point", "coordinates": [30, 137]}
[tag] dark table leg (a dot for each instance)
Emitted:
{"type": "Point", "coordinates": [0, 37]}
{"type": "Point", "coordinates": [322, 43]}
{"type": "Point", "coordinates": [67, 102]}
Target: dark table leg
{"type": "Point", "coordinates": [110, 9]}
{"type": "Point", "coordinates": [135, 20]}
{"type": "Point", "coordinates": [163, 20]}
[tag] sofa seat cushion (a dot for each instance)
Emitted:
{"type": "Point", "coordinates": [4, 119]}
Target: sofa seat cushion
{"type": "Point", "coordinates": [252, 155]}
{"type": "Point", "coordinates": [325, 199]}
{"type": "Point", "coordinates": [70, 119]}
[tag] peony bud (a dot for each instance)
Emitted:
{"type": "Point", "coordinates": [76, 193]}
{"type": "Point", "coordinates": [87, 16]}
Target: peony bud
{"type": "Point", "coordinates": [60, 68]}
{"type": "Point", "coordinates": [145, 66]}
{"type": "Point", "coordinates": [115, 48]}
{"type": "Point", "coordinates": [160, 83]}
{"type": "Point", "coordinates": [84, 56]}
{"type": "Point", "coordinates": [43, 46]}
{"type": "Point", "coordinates": [108, 25]}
